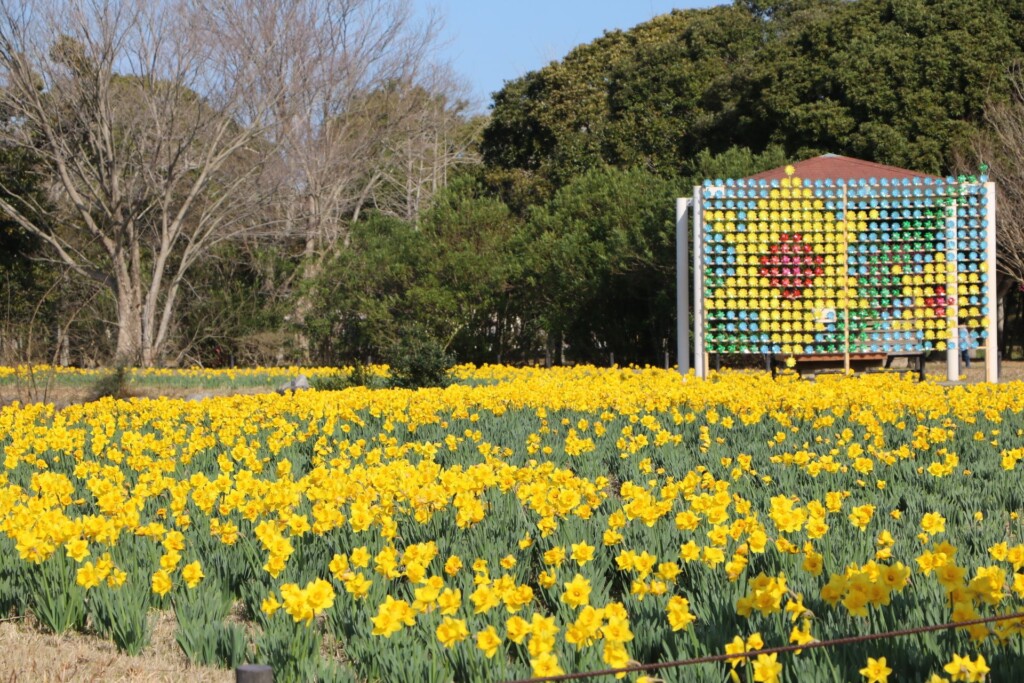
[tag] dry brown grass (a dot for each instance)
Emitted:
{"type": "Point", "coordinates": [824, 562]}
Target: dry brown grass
{"type": "Point", "coordinates": [31, 656]}
{"type": "Point", "coordinates": [1010, 371]}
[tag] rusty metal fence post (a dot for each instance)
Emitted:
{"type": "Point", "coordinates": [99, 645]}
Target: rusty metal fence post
{"type": "Point", "coordinates": [254, 673]}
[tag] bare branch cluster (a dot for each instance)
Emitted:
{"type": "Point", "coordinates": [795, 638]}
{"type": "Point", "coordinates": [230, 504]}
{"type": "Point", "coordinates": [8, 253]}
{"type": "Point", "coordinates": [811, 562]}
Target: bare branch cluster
{"type": "Point", "coordinates": [363, 112]}
{"type": "Point", "coordinates": [163, 128]}
{"type": "Point", "coordinates": [1001, 146]}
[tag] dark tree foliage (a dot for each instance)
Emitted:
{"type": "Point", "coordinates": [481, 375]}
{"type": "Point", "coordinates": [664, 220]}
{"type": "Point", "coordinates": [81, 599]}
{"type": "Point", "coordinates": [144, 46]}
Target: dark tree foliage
{"type": "Point", "coordinates": [652, 97]}
{"type": "Point", "coordinates": [25, 307]}
{"type": "Point", "coordinates": [447, 278]}
{"type": "Point", "coordinates": [600, 264]}
{"type": "Point", "coordinates": [895, 81]}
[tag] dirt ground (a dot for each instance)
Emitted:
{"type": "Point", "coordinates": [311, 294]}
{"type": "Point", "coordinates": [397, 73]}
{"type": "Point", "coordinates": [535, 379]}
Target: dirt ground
{"type": "Point", "coordinates": [1009, 371]}
{"type": "Point", "coordinates": [29, 656]}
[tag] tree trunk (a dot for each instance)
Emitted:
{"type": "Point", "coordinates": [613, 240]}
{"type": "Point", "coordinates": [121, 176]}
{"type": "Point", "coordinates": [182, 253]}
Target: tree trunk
{"type": "Point", "coordinates": [63, 354]}
{"type": "Point", "coordinates": [129, 326]}
{"type": "Point", "coordinates": [1004, 288]}
{"type": "Point", "coordinates": [311, 268]}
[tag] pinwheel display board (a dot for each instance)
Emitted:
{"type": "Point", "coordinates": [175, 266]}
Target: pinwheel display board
{"type": "Point", "coordinates": [797, 268]}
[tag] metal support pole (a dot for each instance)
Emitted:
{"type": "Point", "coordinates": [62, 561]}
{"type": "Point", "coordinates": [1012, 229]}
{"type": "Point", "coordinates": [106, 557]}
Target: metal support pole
{"type": "Point", "coordinates": [991, 290]}
{"type": "Point", "coordinates": [846, 282]}
{"type": "Point", "coordinates": [682, 288]}
{"type": "Point", "coordinates": [952, 315]}
{"type": "Point", "coordinates": [700, 364]}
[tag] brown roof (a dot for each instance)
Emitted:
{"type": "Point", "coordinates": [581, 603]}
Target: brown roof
{"type": "Point", "coordinates": [838, 166]}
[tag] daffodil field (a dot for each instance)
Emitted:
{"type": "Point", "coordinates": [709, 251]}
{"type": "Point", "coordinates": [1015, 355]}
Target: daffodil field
{"type": "Point", "coordinates": [193, 378]}
{"type": "Point", "coordinates": [530, 522]}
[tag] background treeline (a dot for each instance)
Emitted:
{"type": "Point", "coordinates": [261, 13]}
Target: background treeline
{"type": "Point", "coordinates": [270, 181]}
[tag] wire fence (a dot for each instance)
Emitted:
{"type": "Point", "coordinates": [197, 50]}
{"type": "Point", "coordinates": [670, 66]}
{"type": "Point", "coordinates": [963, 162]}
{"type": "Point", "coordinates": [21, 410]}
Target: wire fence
{"type": "Point", "coordinates": [848, 640]}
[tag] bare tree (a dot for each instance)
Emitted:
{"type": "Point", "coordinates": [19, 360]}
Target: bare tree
{"type": "Point", "coordinates": [149, 127]}
{"type": "Point", "coordinates": [363, 56]}
{"type": "Point", "coordinates": [372, 86]}
{"type": "Point", "coordinates": [163, 127]}
{"type": "Point", "coordinates": [433, 138]}
{"type": "Point", "coordinates": [1001, 145]}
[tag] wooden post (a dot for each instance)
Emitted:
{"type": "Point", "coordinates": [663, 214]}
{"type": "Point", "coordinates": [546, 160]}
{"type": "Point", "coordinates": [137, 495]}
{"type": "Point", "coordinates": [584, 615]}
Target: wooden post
{"type": "Point", "coordinates": [254, 673]}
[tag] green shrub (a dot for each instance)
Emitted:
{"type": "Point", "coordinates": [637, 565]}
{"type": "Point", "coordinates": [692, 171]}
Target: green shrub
{"type": "Point", "coordinates": [114, 385]}
{"type": "Point", "coordinates": [359, 376]}
{"type": "Point", "coordinates": [418, 360]}
{"type": "Point", "coordinates": [332, 383]}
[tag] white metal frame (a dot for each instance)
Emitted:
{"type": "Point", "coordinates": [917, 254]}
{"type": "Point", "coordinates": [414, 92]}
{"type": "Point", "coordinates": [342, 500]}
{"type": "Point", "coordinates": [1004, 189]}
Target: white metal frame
{"type": "Point", "coordinates": [700, 359]}
{"type": "Point", "coordinates": [682, 288]}
{"type": "Point", "coordinates": [991, 342]}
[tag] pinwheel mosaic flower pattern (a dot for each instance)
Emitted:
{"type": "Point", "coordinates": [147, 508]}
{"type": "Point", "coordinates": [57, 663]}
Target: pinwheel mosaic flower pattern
{"type": "Point", "coordinates": [797, 266]}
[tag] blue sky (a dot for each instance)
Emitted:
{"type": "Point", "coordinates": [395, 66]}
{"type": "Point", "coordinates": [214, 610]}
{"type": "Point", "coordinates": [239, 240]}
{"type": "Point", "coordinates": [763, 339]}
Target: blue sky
{"type": "Point", "coordinates": [492, 41]}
